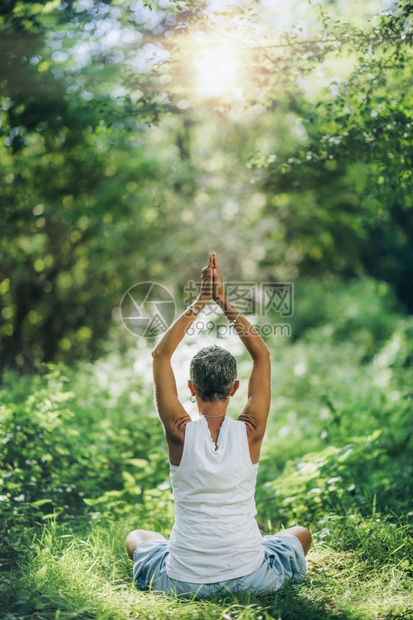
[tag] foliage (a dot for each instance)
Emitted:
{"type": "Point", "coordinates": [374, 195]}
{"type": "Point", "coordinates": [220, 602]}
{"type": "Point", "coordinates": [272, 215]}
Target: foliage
{"type": "Point", "coordinates": [118, 166]}
{"type": "Point", "coordinates": [311, 175]}
{"type": "Point", "coordinates": [84, 461]}
{"type": "Point", "coordinates": [68, 219]}
{"type": "Point", "coordinates": [60, 455]}
{"type": "Point", "coordinates": [346, 200]}
{"type": "Point", "coordinates": [349, 376]}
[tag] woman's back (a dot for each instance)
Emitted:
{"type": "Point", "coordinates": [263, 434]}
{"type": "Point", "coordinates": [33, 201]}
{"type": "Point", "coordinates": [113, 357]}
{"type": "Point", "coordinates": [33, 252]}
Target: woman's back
{"type": "Point", "coordinates": [215, 535]}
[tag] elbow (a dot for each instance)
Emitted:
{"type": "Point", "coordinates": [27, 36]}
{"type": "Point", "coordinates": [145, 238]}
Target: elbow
{"type": "Point", "coordinates": [159, 351]}
{"type": "Point", "coordinates": [156, 352]}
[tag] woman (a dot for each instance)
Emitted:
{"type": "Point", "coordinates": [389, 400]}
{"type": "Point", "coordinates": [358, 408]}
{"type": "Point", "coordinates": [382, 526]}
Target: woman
{"type": "Point", "coordinates": [215, 543]}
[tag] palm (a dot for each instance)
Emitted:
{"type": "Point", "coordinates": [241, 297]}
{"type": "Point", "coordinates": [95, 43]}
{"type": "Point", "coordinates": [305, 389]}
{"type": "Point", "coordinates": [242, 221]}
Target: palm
{"type": "Point", "coordinates": [218, 284]}
{"type": "Point", "coordinates": [207, 281]}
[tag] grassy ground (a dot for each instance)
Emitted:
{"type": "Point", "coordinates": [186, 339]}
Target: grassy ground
{"type": "Point", "coordinates": [83, 461]}
{"type": "Point", "coordinates": [75, 576]}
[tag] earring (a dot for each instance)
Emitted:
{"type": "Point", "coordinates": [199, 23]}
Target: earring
{"type": "Point", "coordinates": [192, 399]}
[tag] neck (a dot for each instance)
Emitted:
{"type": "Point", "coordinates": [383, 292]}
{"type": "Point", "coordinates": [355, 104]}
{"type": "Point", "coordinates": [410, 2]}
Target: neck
{"type": "Point", "coordinates": [216, 409]}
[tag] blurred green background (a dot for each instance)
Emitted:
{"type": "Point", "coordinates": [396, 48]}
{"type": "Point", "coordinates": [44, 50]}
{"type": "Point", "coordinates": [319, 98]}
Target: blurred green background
{"type": "Point", "coordinates": [136, 137]}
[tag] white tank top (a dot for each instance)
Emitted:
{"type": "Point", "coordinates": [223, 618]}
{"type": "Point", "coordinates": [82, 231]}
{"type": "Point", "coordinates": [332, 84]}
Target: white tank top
{"type": "Point", "coordinates": [215, 535]}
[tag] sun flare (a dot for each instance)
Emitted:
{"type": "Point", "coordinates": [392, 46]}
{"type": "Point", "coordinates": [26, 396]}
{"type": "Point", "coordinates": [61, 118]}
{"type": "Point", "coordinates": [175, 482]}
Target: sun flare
{"type": "Point", "coordinates": [217, 70]}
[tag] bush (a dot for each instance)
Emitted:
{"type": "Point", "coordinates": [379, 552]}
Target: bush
{"type": "Point", "coordinates": [58, 458]}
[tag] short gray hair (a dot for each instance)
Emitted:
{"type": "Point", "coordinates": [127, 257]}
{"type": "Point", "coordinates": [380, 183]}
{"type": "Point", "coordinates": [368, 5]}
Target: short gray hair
{"type": "Point", "coordinates": [213, 373]}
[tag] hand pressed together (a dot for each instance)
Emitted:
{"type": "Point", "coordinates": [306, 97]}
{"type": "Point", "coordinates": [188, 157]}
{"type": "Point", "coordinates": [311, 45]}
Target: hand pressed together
{"type": "Point", "coordinates": [205, 293]}
{"type": "Point", "coordinates": [212, 285]}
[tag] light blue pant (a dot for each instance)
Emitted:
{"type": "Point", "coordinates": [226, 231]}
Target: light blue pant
{"type": "Point", "coordinates": [284, 561]}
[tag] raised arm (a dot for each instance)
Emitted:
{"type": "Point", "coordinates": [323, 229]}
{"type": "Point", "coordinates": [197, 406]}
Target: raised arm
{"type": "Point", "coordinates": [170, 409]}
{"type": "Point", "coordinates": [255, 413]}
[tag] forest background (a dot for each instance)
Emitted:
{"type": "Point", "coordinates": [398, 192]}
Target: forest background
{"type": "Point", "coordinates": [135, 138]}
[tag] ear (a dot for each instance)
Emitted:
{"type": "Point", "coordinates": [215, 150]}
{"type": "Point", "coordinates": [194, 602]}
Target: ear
{"type": "Point", "coordinates": [191, 387]}
{"type": "Point", "coordinates": [235, 388]}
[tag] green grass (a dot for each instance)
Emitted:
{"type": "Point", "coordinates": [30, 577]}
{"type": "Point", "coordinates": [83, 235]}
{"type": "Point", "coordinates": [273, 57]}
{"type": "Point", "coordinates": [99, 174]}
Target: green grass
{"type": "Point", "coordinates": [72, 576]}
{"type": "Point", "coordinates": [83, 461]}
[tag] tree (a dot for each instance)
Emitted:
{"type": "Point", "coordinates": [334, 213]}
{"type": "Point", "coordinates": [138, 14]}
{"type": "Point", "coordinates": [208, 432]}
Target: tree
{"type": "Point", "coordinates": [309, 180]}
{"type": "Point", "coordinates": [347, 202]}
{"type": "Point", "coordinates": [67, 124]}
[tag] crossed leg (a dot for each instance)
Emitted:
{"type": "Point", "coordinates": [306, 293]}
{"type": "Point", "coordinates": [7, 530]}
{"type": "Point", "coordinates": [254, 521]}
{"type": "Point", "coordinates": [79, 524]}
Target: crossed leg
{"type": "Point", "coordinates": [301, 533]}
{"type": "Point", "coordinates": [136, 537]}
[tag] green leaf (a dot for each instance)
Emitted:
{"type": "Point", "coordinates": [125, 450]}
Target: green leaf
{"type": "Point", "coordinates": [137, 462]}
{"type": "Point", "coordinates": [40, 502]}
{"type": "Point", "coordinates": [129, 479]}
